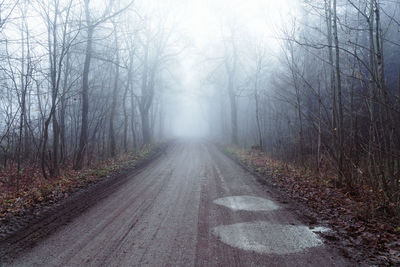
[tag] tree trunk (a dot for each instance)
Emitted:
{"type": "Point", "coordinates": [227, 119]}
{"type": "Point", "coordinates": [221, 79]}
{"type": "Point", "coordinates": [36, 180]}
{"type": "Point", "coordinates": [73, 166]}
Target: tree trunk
{"type": "Point", "coordinates": [85, 100]}
{"type": "Point", "coordinates": [63, 147]}
{"type": "Point", "coordinates": [114, 101]}
{"type": "Point", "coordinates": [144, 114]}
{"type": "Point", "coordinates": [256, 99]}
{"type": "Point", "coordinates": [328, 17]}
{"type": "Point", "coordinates": [233, 104]}
{"type": "Point", "coordinates": [125, 133]}
{"type": "Point", "coordinates": [339, 95]}
{"type": "Point", "coordinates": [146, 100]}
{"type": "Point", "coordinates": [133, 126]}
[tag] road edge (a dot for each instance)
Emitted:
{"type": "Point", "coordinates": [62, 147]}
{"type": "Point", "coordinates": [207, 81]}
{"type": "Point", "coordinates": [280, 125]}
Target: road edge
{"type": "Point", "coordinates": [304, 213]}
{"type": "Point", "coordinates": [39, 224]}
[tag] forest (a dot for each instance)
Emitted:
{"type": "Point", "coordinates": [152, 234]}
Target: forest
{"type": "Point", "coordinates": [317, 85]}
{"type": "Point", "coordinates": [310, 83]}
{"type": "Point", "coordinates": [328, 99]}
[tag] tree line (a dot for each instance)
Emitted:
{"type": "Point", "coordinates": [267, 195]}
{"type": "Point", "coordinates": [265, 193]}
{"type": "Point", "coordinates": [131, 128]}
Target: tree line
{"type": "Point", "coordinates": [80, 81]}
{"type": "Point", "coordinates": [326, 99]}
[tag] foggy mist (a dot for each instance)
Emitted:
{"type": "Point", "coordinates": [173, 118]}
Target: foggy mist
{"type": "Point", "coordinates": [299, 79]}
{"type": "Point", "coordinates": [203, 25]}
{"type": "Point", "coordinates": [147, 109]}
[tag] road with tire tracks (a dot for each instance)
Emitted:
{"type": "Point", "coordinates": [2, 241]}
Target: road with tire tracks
{"type": "Point", "coordinates": [193, 206]}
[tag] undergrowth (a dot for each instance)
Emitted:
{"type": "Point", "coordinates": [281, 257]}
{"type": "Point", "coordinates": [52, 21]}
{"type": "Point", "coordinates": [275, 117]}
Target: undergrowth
{"type": "Point", "coordinates": [359, 214]}
{"type": "Point", "coordinates": [33, 189]}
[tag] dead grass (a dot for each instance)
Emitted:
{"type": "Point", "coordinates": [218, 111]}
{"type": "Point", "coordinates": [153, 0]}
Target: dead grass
{"type": "Point", "coordinates": [32, 188]}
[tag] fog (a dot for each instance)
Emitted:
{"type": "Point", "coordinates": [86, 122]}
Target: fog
{"type": "Point", "coordinates": [201, 26]}
{"type": "Point", "coordinates": [148, 96]}
{"type": "Point", "coordinates": [314, 82]}
{"type": "Point", "coordinates": [195, 33]}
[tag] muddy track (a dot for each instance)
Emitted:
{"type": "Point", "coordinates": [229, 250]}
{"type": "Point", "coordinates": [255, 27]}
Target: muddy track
{"type": "Point", "coordinates": [23, 232]}
{"type": "Point", "coordinates": [193, 206]}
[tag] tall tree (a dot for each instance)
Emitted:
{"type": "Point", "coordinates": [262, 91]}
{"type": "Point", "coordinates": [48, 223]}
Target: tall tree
{"type": "Point", "coordinates": [231, 62]}
{"type": "Point", "coordinates": [90, 24]}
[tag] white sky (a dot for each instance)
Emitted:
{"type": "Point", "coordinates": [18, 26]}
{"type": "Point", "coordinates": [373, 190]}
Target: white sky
{"type": "Point", "coordinates": [202, 22]}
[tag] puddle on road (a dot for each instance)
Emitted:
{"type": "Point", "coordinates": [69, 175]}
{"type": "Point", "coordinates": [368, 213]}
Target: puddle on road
{"type": "Point", "coordinates": [263, 237]}
{"type": "Point", "coordinates": [320, 229]}
{"type": "Point", "coordinates": [248, 203]}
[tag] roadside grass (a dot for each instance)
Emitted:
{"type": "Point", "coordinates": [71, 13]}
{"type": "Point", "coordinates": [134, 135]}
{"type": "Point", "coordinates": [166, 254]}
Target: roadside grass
{"type": "Point", "coordinates": [358, 214]}
{"type": "Point", "coordinates": [32, 189]}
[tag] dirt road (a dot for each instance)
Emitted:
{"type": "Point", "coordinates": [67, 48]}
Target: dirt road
{"type": "Point", "coordinates": [191, 207]}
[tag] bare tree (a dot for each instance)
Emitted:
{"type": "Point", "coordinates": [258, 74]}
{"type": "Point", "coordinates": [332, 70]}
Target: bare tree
{"type": "Point", "coordinates": [91, 24]}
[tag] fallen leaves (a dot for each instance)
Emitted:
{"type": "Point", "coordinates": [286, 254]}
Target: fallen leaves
{"type": "Point", "coordinates": [32, 189]}
{"type": "Point", "coordinates": [358, 214]}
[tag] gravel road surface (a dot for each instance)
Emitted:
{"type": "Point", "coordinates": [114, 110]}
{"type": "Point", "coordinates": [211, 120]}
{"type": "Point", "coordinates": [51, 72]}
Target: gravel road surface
{"type": "Point", "coordinates": [193, 206]}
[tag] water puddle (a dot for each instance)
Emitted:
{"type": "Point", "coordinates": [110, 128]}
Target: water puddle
{"type": "Point", "coordinates": [320, 229]}
{"type": "Point", "coordinates": [248, 203]}
{"type": "Point", "coordinates": [263, 237]}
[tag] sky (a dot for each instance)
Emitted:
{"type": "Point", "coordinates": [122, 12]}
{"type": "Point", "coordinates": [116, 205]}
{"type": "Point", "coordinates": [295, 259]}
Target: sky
{"type": "Point", "coordinates": [202, 22]}
{"type": "Point", "coordinates": [201, 25]}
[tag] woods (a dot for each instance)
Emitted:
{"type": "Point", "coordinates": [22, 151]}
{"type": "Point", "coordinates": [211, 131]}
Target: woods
{"type": "Point", "coordinates": [82, 82]}
{"type": "Point", "coordinates": [295, 100]}
{"type": "Point", "coordinates": [77, 83]}
{"type": "Point", "coordinates": [328, 98]}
